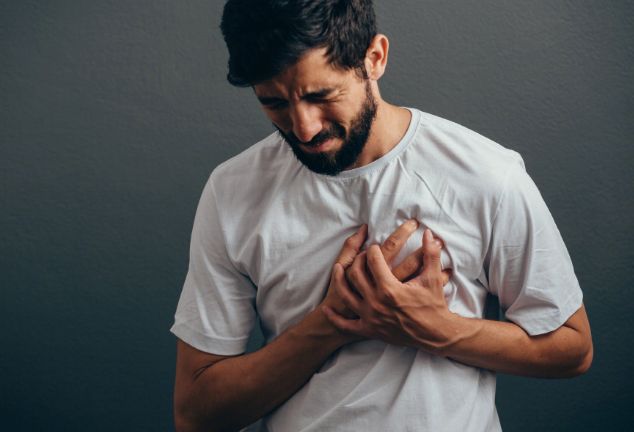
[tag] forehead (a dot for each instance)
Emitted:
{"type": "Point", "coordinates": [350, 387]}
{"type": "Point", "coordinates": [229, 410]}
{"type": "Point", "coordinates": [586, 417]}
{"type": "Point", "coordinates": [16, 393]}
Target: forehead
{"type": "Point", "coordinates": [310, 73]}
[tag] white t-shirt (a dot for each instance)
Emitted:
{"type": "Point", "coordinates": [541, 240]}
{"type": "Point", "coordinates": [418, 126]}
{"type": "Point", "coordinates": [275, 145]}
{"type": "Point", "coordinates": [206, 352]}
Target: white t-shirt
{"type": "Point", "coordinates": [267, 231]}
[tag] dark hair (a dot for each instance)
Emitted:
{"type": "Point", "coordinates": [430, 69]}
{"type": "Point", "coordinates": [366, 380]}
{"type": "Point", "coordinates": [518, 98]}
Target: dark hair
{"type": "Point", "coordinates": [266, 36]}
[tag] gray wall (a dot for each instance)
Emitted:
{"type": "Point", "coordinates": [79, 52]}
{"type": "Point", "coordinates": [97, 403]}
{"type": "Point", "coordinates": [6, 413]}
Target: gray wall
{"type": "Point", "coordinates": [113, 113]}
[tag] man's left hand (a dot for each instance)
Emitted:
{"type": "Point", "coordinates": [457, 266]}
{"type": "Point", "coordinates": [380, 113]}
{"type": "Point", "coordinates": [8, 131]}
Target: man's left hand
{"type": "Point", "coordinates": [413, 313]}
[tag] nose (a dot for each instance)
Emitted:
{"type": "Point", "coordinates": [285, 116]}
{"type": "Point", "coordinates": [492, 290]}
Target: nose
{"type": "Point", "coordinates": [307, 121]}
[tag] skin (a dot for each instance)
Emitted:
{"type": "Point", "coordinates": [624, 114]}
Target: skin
{"type": "Point", "coordinates": [403, 305]}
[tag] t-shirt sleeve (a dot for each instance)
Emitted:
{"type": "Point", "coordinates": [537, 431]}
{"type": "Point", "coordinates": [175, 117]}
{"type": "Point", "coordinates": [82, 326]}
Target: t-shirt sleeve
{"type": "Point", "coordinates": [216, 311]}
{"type": "Point", "coordinates": [529, 267]}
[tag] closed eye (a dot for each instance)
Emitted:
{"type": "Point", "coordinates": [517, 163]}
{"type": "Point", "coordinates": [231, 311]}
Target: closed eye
{"type": "Point", "coordinates": [319, 96]}
{"type": "Point", "coordinates": [317, 99]}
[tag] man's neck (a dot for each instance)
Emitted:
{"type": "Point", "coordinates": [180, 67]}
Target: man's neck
{"type": "Point", "coordinates": [389, 127]}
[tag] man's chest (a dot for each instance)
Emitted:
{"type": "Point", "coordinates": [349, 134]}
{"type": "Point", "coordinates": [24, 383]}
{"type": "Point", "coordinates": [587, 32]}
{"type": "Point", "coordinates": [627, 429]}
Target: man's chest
{"type": "Point", "coordinates": [296, 238]}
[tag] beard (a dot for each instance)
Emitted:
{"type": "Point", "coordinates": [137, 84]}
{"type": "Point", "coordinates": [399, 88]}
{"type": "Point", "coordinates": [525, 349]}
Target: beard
{"type": "Point", "coordinates": [333, 162]}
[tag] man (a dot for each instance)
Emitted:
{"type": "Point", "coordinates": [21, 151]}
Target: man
{"type": "Point", "coordinates": [379, 343]}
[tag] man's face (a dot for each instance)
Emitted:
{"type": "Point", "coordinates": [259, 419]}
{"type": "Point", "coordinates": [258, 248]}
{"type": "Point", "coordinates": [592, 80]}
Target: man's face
{"type": "Point", "coordinates": [324, 114]}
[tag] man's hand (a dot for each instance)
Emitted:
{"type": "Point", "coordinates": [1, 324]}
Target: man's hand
{"type": "Point", "coordinates": [350, 258]}
{"type": "Point", "coordinates": [413, 313]}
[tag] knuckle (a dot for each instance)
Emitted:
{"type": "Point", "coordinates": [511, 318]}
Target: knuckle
{"type": "Point", "coordinates": [431, 260]}
{"type": "Point", "coordinates": [414, 263]}
{"type": "Point", "coordinates": [374, 258]}
{"type": "Point", "coordinates": [408, 267]}
{"type": "Point", "coordinates": [344, 261]}
{"type": "Point", "coordinates": [391, 243]}
{"type": "Point", "coordinates": [349, 243]}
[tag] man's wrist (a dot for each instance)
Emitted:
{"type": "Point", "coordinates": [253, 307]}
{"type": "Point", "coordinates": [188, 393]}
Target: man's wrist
{"type": "Point", "coordinates": [316, 325]}
{"type": "Point", "coordinates": [457, 329]}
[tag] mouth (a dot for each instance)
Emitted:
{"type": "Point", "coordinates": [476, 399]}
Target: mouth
{"type": "Point", "coordinates": [321, 147]}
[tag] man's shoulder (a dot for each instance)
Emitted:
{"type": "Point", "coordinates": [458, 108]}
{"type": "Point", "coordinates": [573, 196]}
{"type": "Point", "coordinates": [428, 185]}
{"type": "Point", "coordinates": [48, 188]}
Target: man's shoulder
{"type": "Point", "coordinates": [463, 154]}
{"type": "Point", "coordinates": [248, 178]}
{"type": "Point", "coordinates": [263, 155]}
{"type": "Point", "coordinates": [454, 162]}
{"type": "Point", "coordinates": [455, 141]}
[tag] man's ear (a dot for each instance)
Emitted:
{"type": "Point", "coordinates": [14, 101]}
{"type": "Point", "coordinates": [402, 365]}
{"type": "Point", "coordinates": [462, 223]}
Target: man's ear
{"type": "Point", "coordinates": [376, 57]}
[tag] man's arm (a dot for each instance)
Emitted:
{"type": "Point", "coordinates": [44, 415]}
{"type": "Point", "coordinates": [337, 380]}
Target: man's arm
{"type": "Point", "coordinates": [416, 314]}
{"type": "Point", "coordinates": [215, 392]}
{"type": "Point", "coordinates": [506, 347]}
{"type": "Point", "coordinates": [219, 393]}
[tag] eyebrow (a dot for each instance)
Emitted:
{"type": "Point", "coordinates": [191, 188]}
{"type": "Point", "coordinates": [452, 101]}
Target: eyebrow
{"type": "Point", "coordinates": [321, 93]}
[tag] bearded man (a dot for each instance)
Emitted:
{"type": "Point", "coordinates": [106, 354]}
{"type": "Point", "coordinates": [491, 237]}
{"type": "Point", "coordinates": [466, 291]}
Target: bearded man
{"type": "Point", "coordinates": [422, 219]}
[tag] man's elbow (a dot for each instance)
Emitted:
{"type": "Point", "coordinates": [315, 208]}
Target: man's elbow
{"type": "Point", "coordinates": [584, 361]}
{"type": "Point", "coordinates": [186, 418]}
{"type": "Point", "coordinates": [184, 421]}
{"type": "Point", "coordinates": [576, 345]}
{"type": "Point", "coordinates": [580, 359]}
{"type": "Point", "coordinates": [182, 424]}
{"type": "Point", "coordinates": [185, 424]}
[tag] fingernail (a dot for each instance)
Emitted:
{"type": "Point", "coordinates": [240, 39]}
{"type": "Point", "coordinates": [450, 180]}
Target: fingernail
{"type": "Point", "coordinates": [413, 223]}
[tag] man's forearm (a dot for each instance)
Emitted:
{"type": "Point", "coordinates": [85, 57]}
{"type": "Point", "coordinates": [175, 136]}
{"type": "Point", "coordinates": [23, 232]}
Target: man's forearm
{"type": "Point", "coordinates": [415, 314]}
{"type": "Point", "coordinates": [505, 347]}
{"type": "Point", "coordinates": [236, 391]}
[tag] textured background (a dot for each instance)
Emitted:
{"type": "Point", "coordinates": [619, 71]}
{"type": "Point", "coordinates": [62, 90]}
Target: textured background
{"type": "Point", "coordinates": [113, 113]}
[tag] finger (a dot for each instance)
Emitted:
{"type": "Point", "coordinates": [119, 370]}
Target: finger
{"type": "Point", "coordinates": [431, 250]}
{"type": "Point", "coordinates": [410, 266]}
{"type": "Point", "coordinates": [357, 275]}
{"type": "Point", "coordinates": [413, 263]}
{"type": "Point", "coordinates": [379, 268]}
{"type": "Point", "coordinates": [351, 246]}
{"type": "Point", "coordinates": [393, 244]}
{"type": "Point", "coordinates": [354, 326]}
{"type": "Point", "coordinates": [350, 299]}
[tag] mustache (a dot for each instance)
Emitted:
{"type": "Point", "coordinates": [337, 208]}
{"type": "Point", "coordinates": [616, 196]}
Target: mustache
{"type": "Point", "coordinates": [334, 131]}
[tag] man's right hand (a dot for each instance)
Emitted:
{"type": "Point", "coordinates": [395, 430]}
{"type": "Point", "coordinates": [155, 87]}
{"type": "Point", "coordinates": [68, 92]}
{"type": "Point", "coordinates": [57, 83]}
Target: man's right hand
{"type": "Point", "coordinates": [351, 253]}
